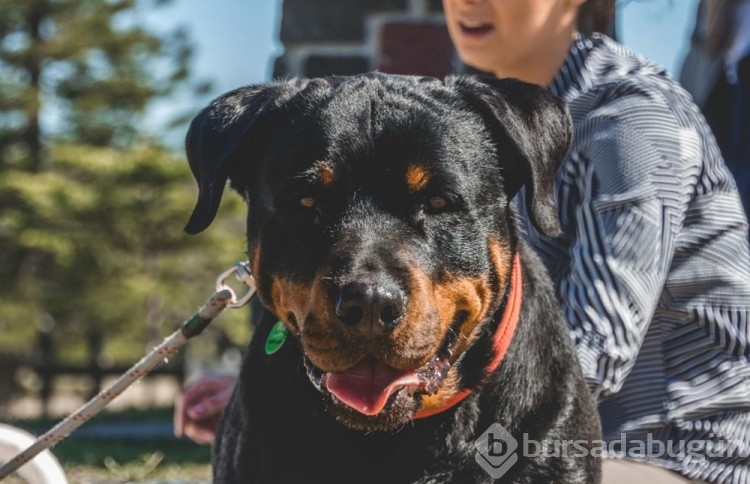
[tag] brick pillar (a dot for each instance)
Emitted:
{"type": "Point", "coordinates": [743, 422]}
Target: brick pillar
{"type": "Point", "coordinates": [345, 37]}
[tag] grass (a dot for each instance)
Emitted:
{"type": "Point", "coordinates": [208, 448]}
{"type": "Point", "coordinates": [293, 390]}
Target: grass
{"type": "Point", "coordinates": [127, 460]}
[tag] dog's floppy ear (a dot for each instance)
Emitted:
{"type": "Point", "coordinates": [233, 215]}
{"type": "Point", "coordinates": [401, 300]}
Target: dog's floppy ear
{"type": "Point", "coordinates": [536, 125]}
{"type": "Point", "coordinates": [216, 133]}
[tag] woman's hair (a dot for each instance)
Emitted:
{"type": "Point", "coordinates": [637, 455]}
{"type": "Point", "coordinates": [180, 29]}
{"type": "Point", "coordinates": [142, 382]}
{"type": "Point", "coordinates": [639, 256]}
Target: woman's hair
{"type": "Point", "coordinates": [597, 16]}
{"type": "Point", "coordinates": [715, 20]}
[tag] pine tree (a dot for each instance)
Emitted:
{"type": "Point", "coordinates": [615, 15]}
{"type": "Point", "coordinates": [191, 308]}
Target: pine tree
{"type": "Point", "coordinates": [91, 209]}
{"type": "Point", "coordinates": [86, 63]}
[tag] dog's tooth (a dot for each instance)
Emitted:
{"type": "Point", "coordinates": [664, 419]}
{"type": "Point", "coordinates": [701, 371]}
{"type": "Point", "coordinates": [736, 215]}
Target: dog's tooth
{"type": "Point", "coordinates": [314, 374]}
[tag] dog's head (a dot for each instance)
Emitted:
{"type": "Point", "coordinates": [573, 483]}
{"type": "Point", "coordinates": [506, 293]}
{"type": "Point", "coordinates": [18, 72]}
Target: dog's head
{"type": "Point", "coordinates": [379, 226]}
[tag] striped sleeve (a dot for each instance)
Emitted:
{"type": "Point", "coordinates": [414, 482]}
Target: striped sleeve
{"type": "Point", "coordinates": [653, 270]}
{"type": "Point", "coordinates": [623, 195]}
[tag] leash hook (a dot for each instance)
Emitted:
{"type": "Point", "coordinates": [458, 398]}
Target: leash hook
{"type": "Point", "coordinates": [241, 270]}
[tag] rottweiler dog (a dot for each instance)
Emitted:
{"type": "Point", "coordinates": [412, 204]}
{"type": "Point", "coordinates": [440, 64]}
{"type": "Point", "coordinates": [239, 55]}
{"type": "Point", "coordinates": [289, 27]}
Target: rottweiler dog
{"type": "Point", "coordinates": [404, 314]}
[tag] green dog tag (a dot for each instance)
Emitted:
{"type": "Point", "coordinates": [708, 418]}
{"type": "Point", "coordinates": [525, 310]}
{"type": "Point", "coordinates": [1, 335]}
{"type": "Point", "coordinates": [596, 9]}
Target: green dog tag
{"type": "Point", "coordinates": [276, 338]}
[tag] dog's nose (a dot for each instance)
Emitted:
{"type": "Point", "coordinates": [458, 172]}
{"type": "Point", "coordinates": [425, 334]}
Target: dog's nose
{"type": "Point", "coordinates": [377, 304]}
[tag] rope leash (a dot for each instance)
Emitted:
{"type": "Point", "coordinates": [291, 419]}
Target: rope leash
{"type": "Point", "coordinates": [223, 298]}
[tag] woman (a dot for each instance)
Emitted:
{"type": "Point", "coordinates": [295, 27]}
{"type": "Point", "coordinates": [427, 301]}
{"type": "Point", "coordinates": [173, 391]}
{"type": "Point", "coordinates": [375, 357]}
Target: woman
{"type": "Point", "coordinates": [653, 268]}
{"type": "Point", "coordinates": [716, 72]}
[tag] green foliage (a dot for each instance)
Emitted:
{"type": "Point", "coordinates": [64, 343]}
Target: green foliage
{"type": "Point", "coordinates": [91, 209]}
{"type": "Point", "coordinates": [91, 63]}
{"type": "Point", "coordinates": [99, 241]}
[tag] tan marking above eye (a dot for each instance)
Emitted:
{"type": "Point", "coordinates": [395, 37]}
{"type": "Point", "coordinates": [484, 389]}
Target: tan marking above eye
{"type": "Point", "coordinates": [307, 202]}
{"type": "Point", "coordinates": [417, 178]}
{"type": "Point", "coordinates": [325, 174]}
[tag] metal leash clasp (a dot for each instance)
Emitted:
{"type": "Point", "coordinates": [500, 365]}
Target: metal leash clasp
{"type": "Point", "coordinates": [241, 270]}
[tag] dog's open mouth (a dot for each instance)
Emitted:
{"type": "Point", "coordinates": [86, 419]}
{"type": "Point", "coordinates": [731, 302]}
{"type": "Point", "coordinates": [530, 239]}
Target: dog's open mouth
{"type": "Point", "coordinates": [368, 386]}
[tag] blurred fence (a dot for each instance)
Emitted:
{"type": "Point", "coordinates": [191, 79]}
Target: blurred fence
{"type": "Point", "coordinates": [46, 366]}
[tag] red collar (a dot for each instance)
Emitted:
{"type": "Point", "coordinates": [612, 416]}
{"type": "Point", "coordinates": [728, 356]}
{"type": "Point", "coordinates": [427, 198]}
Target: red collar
{"type": "Point", "coordinates": [503, 336]}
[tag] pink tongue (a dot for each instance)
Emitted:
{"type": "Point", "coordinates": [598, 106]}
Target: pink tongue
{"type": "Point", "coordinates": [367, 386]}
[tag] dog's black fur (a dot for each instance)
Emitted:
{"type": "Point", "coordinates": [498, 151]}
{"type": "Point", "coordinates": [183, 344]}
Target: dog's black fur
{"type": "Point", "coordinates": [395, 191]}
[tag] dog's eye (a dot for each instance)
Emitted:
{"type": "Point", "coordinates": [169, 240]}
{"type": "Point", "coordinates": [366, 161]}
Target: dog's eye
{"type": "Point", "coordinates": [437, 202]}
{"type": "Point", "coordinates": [307, 202]}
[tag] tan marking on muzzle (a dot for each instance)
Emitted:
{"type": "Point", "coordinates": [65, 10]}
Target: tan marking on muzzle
{"type": "Point", "coordinates": [475, 297]}
{"type": "Point", "coordinates": [290, 302]}
{"type": "Point", "coordinates": [463, 294]}
{"type": "Point", "coordinates": [324, 339]}
{"type": "Point", "coordinates": [449, 388]}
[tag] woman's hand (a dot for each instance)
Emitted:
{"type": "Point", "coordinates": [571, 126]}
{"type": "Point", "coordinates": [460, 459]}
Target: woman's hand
{"type": "Point", "coordinates": [198, 412]}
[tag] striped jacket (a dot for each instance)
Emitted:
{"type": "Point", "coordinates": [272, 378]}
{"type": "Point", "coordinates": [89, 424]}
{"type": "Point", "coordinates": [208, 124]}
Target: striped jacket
{"type": "Point", "coordinates": [653, 268]}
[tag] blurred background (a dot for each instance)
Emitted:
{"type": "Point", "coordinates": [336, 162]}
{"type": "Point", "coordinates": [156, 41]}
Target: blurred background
{"type": "Point", "coordinates": [95, 97]}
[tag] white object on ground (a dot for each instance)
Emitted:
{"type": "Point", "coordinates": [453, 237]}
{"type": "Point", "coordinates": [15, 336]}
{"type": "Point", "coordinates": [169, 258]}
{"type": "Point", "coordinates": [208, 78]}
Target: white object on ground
{"type": "Point", "coordinates": [43, 469]}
